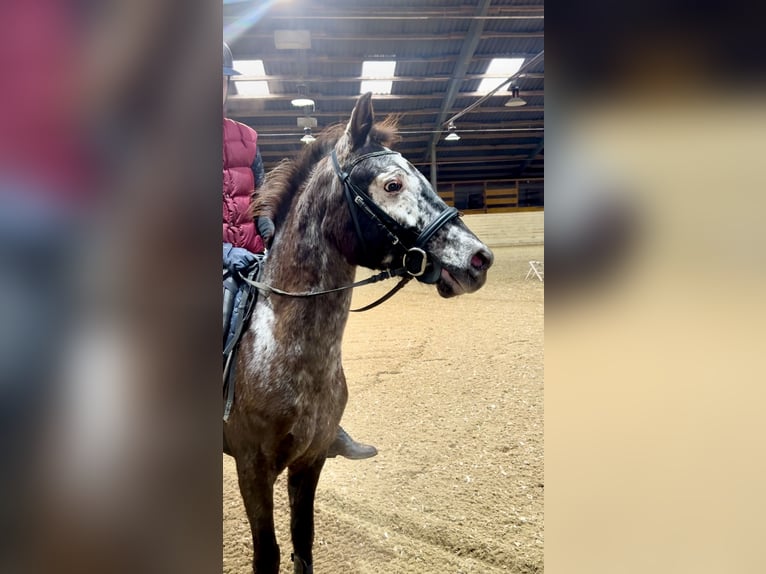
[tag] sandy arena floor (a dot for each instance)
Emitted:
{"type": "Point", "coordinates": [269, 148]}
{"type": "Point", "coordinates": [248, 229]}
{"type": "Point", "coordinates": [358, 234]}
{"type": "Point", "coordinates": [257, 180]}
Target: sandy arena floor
{"type": "Point", "coordinates": [451, 393]}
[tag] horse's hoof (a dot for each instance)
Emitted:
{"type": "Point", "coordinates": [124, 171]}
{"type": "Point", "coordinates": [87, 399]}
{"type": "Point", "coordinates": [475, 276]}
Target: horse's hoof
{"type": "Point", "coordinates": [300, 566]}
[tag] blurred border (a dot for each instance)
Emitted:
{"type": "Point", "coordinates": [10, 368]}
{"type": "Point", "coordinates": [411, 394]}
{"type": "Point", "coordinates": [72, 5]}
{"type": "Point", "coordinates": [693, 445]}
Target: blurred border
{"type": "Point", "coordinates": [654, 444]}
{"type": "Point", "coordinates": [110, 154]}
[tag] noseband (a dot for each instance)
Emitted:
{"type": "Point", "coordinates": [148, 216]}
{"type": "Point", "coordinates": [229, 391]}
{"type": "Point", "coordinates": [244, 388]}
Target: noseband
{"type": "Point", "coordinates": [417, 262]}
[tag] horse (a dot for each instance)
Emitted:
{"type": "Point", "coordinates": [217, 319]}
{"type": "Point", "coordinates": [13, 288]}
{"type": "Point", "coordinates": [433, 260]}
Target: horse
{"type": "Point", "coordinates": [347, 200]}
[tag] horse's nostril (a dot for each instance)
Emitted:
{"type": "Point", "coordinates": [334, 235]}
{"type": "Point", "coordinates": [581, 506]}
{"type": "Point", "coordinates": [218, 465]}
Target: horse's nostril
{"type": "Point", "coordinates": [481, 260]}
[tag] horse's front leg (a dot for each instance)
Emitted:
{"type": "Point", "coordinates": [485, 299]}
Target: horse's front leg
{"type": "Point", "coordinates": [257, 487]}
{"type": "Point", "coordinates": [301, 486]}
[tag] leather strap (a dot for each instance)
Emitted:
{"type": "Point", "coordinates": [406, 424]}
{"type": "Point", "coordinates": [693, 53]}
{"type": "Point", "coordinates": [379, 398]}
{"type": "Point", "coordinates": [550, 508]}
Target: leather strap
{"type": "Point", "coordinates": [266, 288]}
{"type": "Point", "coordinates": [385, 297]}
{"type": "Point", "coordinates": [435, 225]}
{"type": "Point", "coordinates": [228, 382]}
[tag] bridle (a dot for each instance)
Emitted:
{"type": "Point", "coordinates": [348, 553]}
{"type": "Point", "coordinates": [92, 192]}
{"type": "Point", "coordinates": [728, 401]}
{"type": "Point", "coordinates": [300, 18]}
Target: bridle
{"type": "Point", "coordinates": [417, 263]}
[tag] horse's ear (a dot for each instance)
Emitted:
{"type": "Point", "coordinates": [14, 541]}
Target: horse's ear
{"type": "Point", "coordinates": [362, 119]}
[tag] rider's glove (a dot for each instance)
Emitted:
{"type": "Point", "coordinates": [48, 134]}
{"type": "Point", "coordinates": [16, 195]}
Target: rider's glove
{"type": "Point", "coordinates": [265, 229]}
{"type": "Point", "coordinates": [237, 258]}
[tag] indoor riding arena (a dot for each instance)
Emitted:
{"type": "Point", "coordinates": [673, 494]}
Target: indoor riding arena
{"type": "Point", "coordinates": [450, 391]}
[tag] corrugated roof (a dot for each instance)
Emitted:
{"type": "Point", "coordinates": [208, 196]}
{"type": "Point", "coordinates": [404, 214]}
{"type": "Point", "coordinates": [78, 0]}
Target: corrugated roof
{"type": "Point", "coordinates": [431, 41]}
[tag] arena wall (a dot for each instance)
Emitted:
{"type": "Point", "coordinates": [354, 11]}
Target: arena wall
{"type": "Point", "coordinates": [508, 229]}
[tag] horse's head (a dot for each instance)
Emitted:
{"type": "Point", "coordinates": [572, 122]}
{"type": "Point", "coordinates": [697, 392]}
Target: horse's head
{"type": "Point", "coordinates": [398, 218]}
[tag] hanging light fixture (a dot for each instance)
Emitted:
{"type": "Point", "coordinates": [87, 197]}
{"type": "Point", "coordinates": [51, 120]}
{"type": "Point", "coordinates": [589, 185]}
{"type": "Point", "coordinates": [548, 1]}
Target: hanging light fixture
{"type": "Point", "coordinates": [303, 101]}
{"type": "Point", "coordinates": [307, 137]}
{"type": "Point", "coordinates": [452, 135]}
{"type": "Point", "coordinates": [515, 100]}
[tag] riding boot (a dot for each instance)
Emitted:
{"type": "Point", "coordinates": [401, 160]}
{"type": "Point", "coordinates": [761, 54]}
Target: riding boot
{"type": "Point", "coordinates": [300, 566]}
{"type": "Point", "coordinates": [347, 447]}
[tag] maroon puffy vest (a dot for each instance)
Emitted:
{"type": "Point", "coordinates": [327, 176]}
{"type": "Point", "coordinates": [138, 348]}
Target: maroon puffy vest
{"type": "Point", "coordinates": [239, 149]}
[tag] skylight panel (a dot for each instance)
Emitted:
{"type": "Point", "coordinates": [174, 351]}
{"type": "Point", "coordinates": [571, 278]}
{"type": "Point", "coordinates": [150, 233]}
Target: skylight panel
{"type": "Point", "coordinates": [250, 67]}
{"type": "Point", "coordinates": [253, 88]}
{"type": "Point", "coordinates": [377, 69]}
{"type": "Point", "coordinates": [502, 68]}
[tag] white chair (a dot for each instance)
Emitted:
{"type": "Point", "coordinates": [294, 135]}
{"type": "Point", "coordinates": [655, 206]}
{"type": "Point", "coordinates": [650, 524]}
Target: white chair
{"type": "Point", "coordinates": [536, 268]}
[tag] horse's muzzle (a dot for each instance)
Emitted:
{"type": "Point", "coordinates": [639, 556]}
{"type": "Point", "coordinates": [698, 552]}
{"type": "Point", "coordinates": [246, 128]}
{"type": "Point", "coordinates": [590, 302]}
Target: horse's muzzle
{"type": "Point", "coordinates": [454, 281]}
{"type": "Point", "coordinates": [482, 260]}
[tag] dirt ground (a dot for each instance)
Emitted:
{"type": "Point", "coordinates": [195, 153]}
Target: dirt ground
{"type": "Point", "coordinates": [451, 393]}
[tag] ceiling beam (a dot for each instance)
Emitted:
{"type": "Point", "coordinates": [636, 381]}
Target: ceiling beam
{"type": "Point", "coordinates": [265, 138]}
{"type": "Point", "coordinates": [318, 36]}
{"type": "Point", "coordinates": [436, 16]}
{"type": "Point", "coordinates": [496, 90]}
{"type": "Point", "coordinates": [467, 148]}
{"type": "Point", "coordinates": [414, 134]}
{"type": "Point", "coordinates": [397, 78]}
{"type": "Point", "coordinates": [447, 184]}
{"type": "Point", "coordinates": [280, 57]}
{"type": "Point", "coordinates": [243, 113]}
{"type": "Point", "coordinates": [467, 160]}
{"type": "Point", "coordinates": [474, 159]}
{"type": "Point", "coordinates": [402, 13]}
{"type": "Point", "coordinates": [236, 98]}
{"type": "Point", "coordinates": [470, 42]}
{"type": "Point", "coordinates": [405, 130]}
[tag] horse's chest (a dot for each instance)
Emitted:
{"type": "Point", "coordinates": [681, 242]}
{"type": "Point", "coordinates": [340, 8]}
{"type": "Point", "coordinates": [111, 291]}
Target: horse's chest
{"type": "Point", "coordinates": [294, 362]}
{"type": "Point", "coordinates": [311, 365]}
{"type": "Point", "coordinates": [302, 367]}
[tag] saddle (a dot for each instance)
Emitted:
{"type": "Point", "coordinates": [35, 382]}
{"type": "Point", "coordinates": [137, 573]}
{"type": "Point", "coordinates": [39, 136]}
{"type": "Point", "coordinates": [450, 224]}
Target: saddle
{"type": "Point", "coordinates": [239, 299]}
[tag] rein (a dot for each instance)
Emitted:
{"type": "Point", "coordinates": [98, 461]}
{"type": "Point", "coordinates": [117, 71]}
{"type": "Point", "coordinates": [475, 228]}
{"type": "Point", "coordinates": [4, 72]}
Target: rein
{"type": "Point", "coordinates": [416, 262]}
{"type": "Point", "coordinates": [387, 274]}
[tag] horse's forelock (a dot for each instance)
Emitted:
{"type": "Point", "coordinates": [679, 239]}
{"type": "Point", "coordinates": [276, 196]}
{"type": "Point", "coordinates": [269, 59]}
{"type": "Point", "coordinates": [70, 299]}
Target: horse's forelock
{"type": "Point", "coordinates": [385, 133]}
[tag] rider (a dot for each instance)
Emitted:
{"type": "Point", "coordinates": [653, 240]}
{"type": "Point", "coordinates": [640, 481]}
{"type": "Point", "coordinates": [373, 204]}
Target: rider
{"type": "Point", "coordinates": [243, 174]}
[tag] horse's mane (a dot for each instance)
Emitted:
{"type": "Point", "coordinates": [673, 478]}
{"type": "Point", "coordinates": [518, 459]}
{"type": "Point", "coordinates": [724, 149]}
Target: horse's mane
{"type": "Point", "coordinates": [286, 181]}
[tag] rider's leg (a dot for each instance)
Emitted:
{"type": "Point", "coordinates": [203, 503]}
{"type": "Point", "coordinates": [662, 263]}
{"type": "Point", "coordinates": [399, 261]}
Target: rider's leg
{"type": "Point", "coordinates": [347, 447]}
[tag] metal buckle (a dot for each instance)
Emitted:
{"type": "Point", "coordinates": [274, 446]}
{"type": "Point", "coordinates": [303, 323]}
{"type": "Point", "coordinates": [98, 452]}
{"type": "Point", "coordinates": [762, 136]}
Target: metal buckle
{"type": "Point", "coordinates": [423, 261]}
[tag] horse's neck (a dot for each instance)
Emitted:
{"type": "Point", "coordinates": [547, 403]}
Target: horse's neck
{"type": "Point", "coordinates": [305, 258]}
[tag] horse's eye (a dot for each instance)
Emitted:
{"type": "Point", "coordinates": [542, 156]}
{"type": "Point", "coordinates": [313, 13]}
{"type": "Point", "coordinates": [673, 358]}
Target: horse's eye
{"type": "Point", "coordinates": [393, 186]}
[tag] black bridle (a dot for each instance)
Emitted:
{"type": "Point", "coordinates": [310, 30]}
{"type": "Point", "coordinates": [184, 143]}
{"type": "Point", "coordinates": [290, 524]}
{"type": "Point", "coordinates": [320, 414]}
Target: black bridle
{"type": "Point", "coordinates": [417, 263]}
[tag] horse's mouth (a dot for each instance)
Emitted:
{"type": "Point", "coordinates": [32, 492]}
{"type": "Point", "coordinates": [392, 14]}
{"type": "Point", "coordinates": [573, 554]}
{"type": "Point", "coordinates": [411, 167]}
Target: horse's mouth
{"type": "Point", "coordinates": [457, 281]}
{"type": "Point", "coordinates": [449, 285]}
